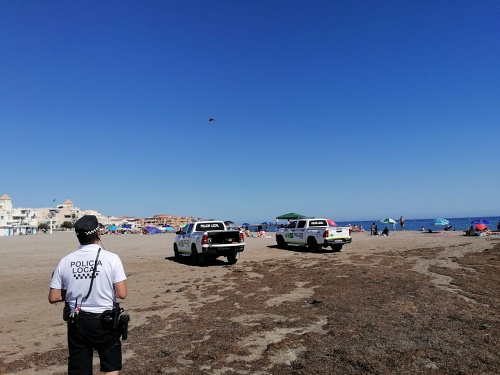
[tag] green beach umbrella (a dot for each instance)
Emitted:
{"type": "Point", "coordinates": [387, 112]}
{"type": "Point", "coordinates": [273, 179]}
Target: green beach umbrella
{"type": "Point", "coordinates": [388, 220]}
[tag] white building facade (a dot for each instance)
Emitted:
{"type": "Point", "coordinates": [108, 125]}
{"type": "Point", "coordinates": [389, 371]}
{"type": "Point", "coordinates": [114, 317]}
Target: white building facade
{"type": "Point", "coordinates": [16, 221]}
{"type": "Point", "coordinates": [21, 221]}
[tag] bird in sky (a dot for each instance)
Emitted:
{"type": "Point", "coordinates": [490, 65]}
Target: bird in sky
{"type": "Point", "coordinates": [211, 119]}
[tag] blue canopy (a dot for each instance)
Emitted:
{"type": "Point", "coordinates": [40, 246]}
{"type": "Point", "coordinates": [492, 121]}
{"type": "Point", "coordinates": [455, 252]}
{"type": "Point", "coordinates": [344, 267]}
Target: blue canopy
{"type": "Point", "coordinates": [153, 230]}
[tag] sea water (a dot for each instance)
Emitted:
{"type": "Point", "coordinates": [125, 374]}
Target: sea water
{"type": "Point", "coordinates": [457, 223]}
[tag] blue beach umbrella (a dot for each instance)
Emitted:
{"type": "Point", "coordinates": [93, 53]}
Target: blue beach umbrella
{"type": "Point", "coordinates": [480, 221]}
{"type": "Point", "coordinates": [266, 223]}
{"type": "Point", "coordinates": [245, 224]}
{"type": "Point", "coordinates": [480, 224]}
{"type": "Point", "coordinates": [440, 221]}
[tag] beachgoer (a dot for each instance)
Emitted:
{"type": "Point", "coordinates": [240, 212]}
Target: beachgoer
{"type": "Point", "coordinates": [89, 290]}
{"type": "Point", "coordinates": [422, 229]}
{"type": "Point", "coordinates": [385, 232]}
{"type": "Point", "coordinates": [470, 232]}
{"type": "Point", "coordinates": [447, 228]}
{"type": "Point", "coordinates": [247, 231]}
{"type": "Point", "coordinates": [402, 222]}
{"type": "Point", "coordinates": [485, 232]}
{"type": "Point", "coordinates": [374, 230]}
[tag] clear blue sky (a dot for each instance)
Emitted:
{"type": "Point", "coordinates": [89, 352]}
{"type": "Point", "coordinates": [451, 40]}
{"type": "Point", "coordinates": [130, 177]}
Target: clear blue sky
{"type": "Point", "coordinates": [351, 110]}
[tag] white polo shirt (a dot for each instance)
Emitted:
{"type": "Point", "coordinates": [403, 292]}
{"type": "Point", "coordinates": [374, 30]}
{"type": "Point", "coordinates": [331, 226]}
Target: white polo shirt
{"type": "Point", "coordinates": [74, 274]}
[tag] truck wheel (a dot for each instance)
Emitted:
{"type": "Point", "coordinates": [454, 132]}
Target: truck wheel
{"type": "Point", "coordinates": [336, 247]}
{"type": "Point", "coordinates": [176, 252]}
{"type": "Point", "coordinates": [195, 259]}
{"type": "Point", "coordinates": [281, 242]}
{"type": "Point", "coordinates": [233, 257]}
{"type": "Point", "coordinates": [313, 245]}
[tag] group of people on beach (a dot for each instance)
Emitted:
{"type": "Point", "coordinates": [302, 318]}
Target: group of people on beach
{"type": "Point", "coordinates": [473, 232]}
{"type": "Point", "coordinates": [375, 232]}
{"type": "Point", "coordinates": [260, 232]}
{"type": "Point", "coordinates": [355, 228]}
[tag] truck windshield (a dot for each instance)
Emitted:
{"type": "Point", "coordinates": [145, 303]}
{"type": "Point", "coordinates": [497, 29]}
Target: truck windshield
{"type": "Point", "coordinates": [204, 227]}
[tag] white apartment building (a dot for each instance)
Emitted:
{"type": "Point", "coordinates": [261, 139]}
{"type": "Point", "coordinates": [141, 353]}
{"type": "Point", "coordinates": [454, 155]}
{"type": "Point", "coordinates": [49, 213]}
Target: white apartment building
{"type": "Point", "coordinates": [16, 221]}
{"type": "Point", "coordinates": [20, 221]}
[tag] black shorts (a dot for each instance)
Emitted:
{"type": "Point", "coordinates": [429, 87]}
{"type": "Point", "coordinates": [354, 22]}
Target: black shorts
{"type": "Point", "coordinates": [90, 336]}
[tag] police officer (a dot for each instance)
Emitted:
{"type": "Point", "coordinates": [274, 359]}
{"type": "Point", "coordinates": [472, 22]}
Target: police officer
{"type": "Point", "coordinates": [90, 280]}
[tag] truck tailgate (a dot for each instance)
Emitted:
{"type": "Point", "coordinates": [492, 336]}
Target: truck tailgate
{"type": "Point", "coordinates": [225, 237]}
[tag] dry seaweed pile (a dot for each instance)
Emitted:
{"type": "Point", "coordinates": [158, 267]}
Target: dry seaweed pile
{"type": "Point", "coordinates": [374, 315]}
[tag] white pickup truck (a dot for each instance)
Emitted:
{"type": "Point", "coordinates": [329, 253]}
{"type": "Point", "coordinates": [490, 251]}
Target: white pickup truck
{"type": "Point", "coordinates": [207, 240]}
{"type": "Point", "coordinates": [315, 233]}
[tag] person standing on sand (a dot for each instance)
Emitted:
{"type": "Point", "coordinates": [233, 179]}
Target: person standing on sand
{"type": "Point", "coordinates": [89, 280]}
{"type": "Point", "coordinates": [402, 222]}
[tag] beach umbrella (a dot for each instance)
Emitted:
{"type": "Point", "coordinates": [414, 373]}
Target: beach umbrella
{"type": "Point", "coordinates": [480, 224]}
{"type": "Point", "coordinates": [388, 220]}
{"type": "Point", "coordinates": [440, 221]}
{"type": "Point", "coordinates": [245, 224]}
{"type": "Point", "coordinates": [480, 221]}
{"type": "Point", "coordinates": [331, 223]}
{"type": "Point", "coordinates": [266, 223]}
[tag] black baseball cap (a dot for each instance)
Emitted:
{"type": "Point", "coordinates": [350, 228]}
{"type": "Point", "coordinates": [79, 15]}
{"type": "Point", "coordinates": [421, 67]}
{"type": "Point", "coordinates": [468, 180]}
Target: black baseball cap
{"type": "Point", "coordinates": [86, 225]}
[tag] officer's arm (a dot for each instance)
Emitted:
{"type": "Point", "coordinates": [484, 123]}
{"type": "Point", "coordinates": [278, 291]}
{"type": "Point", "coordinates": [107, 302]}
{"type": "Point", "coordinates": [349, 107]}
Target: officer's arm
{"type": "Point", "coordinates": [121, 289]}
{"type": "Point", "coordinates": [57, 295]}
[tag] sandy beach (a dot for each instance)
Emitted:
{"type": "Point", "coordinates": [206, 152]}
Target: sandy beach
{"type": "Point", "coordinates": [410, 303]}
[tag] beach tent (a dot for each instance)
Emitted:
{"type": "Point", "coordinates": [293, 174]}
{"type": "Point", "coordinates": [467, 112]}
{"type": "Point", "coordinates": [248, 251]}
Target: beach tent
{"type": "Point", "coordinates": [153, 230]}
{"type": "Point", "coordinates": [291, 216]}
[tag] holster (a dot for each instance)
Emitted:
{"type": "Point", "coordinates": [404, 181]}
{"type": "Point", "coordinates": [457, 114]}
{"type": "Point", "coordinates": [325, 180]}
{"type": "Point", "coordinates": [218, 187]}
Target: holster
{"type": "Point", "coordinates": [116, 321]}
{"type": "Point", "coordinates": [66, 311]}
